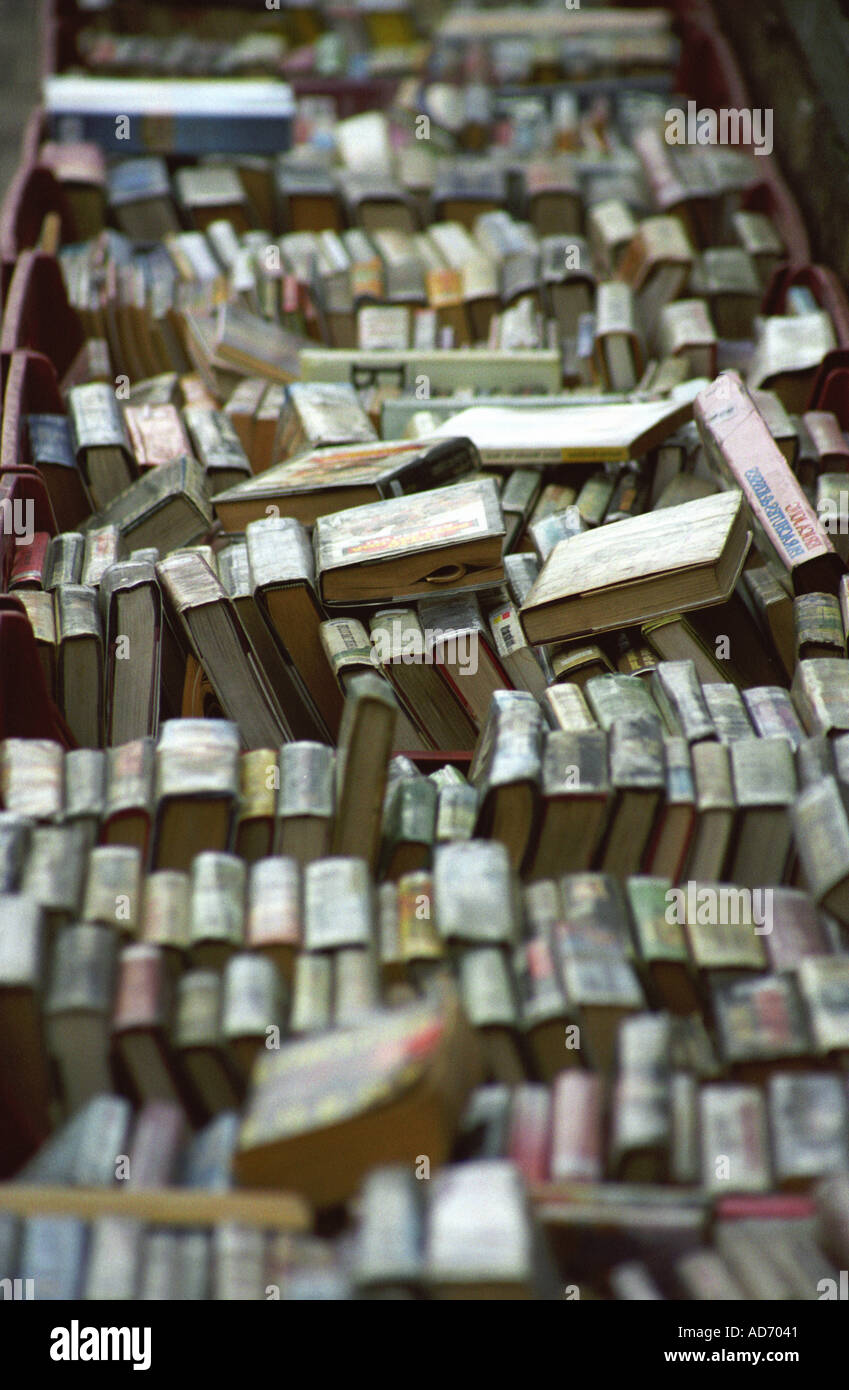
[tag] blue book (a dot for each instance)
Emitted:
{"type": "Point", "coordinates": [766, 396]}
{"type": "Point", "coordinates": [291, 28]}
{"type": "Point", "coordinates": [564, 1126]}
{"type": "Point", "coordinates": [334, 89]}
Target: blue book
{"type": "Point", "coordinates": [191, 117]}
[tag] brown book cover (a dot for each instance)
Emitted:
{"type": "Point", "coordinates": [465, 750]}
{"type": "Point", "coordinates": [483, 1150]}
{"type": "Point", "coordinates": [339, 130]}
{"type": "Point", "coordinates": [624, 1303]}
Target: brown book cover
{"type": "Point", "coordinates": [385, 1091]}
{"type": "Point", "coordinates": [602, 579]}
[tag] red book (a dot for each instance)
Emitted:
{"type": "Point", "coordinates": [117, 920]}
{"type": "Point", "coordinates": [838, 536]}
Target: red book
{"type": "Point", "coordinates": [577, 1152]}
{"type": "Point", "coordinates": [26, 709]}
{"type": "Point", "coordinates": [739, 444]}
{"type": "Point", "coordinates": [770, 1206]}
{"type": "Point", "coordinates": [25, 510]}
{"type": "Point", "coordinates": [31, 389]}
{"type": "Point", "coordinates": [529, 1131]}
{"type": "Point", "coordinates": [28, 564]}
{"type": "Point", "coordinates": [37, 314]}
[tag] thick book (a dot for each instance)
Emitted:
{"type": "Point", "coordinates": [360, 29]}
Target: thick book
{"type": "Point", "coordinates": [208, 1069]}
{"type": "Point", "coordinates": [673, 835]}
{"type": "Point", "coordinates": [637, 778]}
{"type": "Point", "coordinates": [78, 1009]}
{"type": "Point", "coordinates": [365, 742]}
{"type": "Point", "coordinates": [217, 447]}
{"type": "Point", "coordinates": [282, 573]}
{"type": "Point", "coordinates": [474, 893]}
{"type": "Point", "coordinates": [820, 818]}
{"type": "Point", "coordinates": [678, 694]}
{"type": "Point", "coordinates": [319, 415]}
{"type": "Point", "coordinates": [733, 1128]}
{"type": "Point", "coordinates": [338, 903]}
{"type": "Point", "coordinates": [400, 647]}
{"type": "Point", "coordinates": [155, 432]}
{"type": "Point", "coordinates": [618, 349]}
{"type": "Point", "coordinates": [661, 944]}
{"type": "Point", "coordinates": [387, 1090]}
{"type": "Point", "coordinates": [52, 451]}
{"type": "Point", "coordinates": [760, 1025]}
{"type": "Point", "coordinates": [273, 924]}
{"type": "Point", "coordinates": [253, 1000]}
{"type": "Point", "coordinates": [506, 768]}
{"type": "Point", "coordinates": [220, 645]}
{"type": "Point", "coordinates": [680, 557]}
{"type": "Point", "coordinates": [258, 773]}
{"type": "Point", "coordinates": [611, 432]}
{"type": "Point", "coordinates": [216, 908]}
{"type": "Point", "coordinates": [101, 445]}
{"type": "Point", "coordinates": [131, 603]}
{"type": "Point", "coordinates": [128, 800]}
{"type": "Point", "coordinates": [458, 643]}
{"type": "Point", "coordinates": [141, 1024]}
{"type": "Point", "coordinates": [348, 475]}
{"type": "Point", "coordinates": [79, 635]}
{"type": "Point", "coordinates": [289, 693]}
{"type": "Point", "coordinates": [798, 930]}
{"type": "Point", "coordinates": [306, 801]}
{"type": "Point", "coordinates": [487, 992]}
{"type": "Point", "coordinates": [196, 789]}
{"type": "Point", "coordinates": [64, 560]}
{"type": "Point", "coordinates": [575, 802]}
{"type": "Point", "coordinates": [788, 351]}
{"type": "Point", "coordinates": [167, 507]}
{"type": "Point", "coordinates": [446, 539]}
{"type": "Point", "coordinates": [409, 826]}
{"type": "Point", "coordinates": [821, 695]}
{"type": "Point", "coordinates": [738, 442]}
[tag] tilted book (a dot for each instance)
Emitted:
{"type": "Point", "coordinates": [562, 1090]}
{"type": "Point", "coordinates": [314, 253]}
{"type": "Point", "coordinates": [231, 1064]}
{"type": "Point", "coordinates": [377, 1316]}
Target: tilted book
{"type": "Point", "coordinates": [738, 442]}
{"type": "Point", "coordinates": [678, 558]}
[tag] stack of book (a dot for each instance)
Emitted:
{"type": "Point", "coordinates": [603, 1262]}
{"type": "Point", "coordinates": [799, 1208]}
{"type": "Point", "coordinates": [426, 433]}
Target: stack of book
{"type": "Point", "coordinates": [438, 593]}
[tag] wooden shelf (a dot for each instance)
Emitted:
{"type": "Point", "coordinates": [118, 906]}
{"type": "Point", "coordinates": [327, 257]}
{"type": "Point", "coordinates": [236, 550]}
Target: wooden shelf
{"type": "Point", "coordinates": [167, 1206]}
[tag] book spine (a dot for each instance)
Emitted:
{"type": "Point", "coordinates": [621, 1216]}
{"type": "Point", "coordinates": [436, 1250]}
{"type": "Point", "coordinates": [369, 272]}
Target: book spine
{"type": "Point", "coordinates": [737, 438]}
{"type": "Point", "coordinates": [199, 133]}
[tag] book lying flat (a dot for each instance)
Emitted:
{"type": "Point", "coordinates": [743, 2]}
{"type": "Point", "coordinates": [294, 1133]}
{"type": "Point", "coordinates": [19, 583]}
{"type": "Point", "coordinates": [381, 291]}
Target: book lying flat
{"type": "Point", "coordinates": [603, 433]}
{"type": "Point", "coordinates": [172, 117]}
{"type": "Point", "coordinates": [681, 557]}
{"type": "Point", "coordinates": [434, 542]}
{"type": "Point", "coordinates": [328, 480]}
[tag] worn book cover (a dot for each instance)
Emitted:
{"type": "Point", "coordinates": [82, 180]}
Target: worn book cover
{"type": "Point", "coordinates": [329, 479]}
{"type": "Point", "coordinates": [680, 557]}
{"type": "Point", "coordinates": [611, 432]}
{"type": "Point", "coordinates": [738, 441]}
{"type": "Point", "coordinates": [443, 540]}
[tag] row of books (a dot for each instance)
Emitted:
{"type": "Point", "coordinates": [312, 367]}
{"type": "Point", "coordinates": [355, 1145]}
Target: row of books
{"type": "Point", "coordinates": [394, 290]}
{"type": "Point", "coordinates": [682, 781]}
{"type": "Point", "coordinates": [526, 45]}
{"type": "Point", "coordinates": [284, 587]}
{"type": "Point", "coordinates": [563, 966]}
{"type": "Point", "coordinates": [411, 1240]}
{"type": "Point", "coordinates": [597, 944]}
{"type": "Point", "coordinates": [388, 169]}
{"type": "Point", "coordinates": [180, 1004]}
